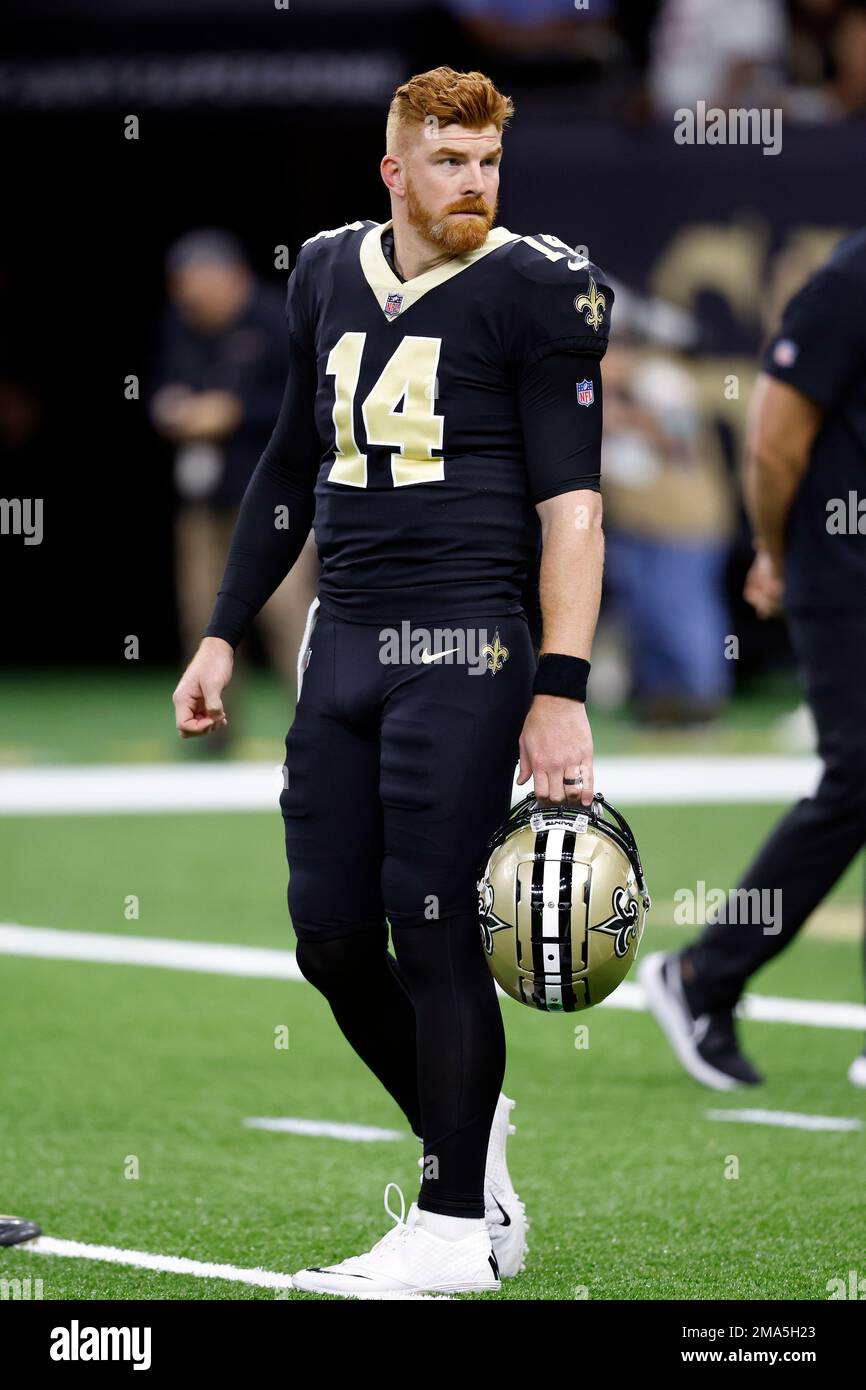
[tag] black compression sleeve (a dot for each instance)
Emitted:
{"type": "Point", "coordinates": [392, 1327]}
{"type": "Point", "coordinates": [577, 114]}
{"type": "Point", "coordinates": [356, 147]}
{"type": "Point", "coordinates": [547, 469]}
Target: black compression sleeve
{"type": "Point", "coordinates": [561, 424]}
{"type": "Point", "coordinates": [277, 511]}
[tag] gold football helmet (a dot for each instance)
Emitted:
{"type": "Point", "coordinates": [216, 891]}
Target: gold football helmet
{"type": "Point", "coordinates": [562, 903]}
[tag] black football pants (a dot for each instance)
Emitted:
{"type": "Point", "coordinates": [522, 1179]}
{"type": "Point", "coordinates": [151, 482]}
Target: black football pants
{"type": "Point", "coordinates": [816, 841]}
{"type": "Point", "coordinates": [396, 776]}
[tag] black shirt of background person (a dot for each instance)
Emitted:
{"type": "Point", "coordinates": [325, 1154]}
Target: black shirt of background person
{"type": "Point", "coordinates": [820, 350]}
{"type": "Point", "coordinates": [248, 358]}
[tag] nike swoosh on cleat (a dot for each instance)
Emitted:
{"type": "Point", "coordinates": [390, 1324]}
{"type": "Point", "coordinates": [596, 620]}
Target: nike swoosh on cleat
{"type": "Point", "coordinates": [317, 1269]}
{"type": "Point", "coordinates": [506, 1219]}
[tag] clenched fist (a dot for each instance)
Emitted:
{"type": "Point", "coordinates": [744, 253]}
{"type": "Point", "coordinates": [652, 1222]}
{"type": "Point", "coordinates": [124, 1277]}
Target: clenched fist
{"type": "Point", "coordinates": [198, 705]}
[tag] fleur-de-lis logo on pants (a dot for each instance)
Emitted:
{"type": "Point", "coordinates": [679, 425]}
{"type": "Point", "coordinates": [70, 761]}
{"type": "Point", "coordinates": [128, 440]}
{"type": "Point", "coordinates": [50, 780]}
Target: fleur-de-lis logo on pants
{"type": "Point", "coordinates": [594, 304]}
{"type": "Point", "coordinates": [496, 654]}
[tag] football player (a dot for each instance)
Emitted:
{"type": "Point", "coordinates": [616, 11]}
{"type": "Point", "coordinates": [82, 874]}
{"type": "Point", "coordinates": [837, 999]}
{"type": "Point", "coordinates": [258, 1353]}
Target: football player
{"type": "Point", "coordinates": [443, 406]}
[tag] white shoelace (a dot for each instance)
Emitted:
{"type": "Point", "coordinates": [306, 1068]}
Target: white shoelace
{"type": "Point", "coordinates": [397, 1235]}
{"type": "Point", "coordinates": [399, 1231]}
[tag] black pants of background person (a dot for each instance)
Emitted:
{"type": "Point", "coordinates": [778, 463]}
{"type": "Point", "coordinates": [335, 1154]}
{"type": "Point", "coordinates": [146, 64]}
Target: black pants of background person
{"type": "Point", "coordinates": [810, 849]}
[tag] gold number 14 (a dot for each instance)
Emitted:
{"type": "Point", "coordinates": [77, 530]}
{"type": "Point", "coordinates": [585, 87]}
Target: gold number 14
{"type": "Point", "coordinates": [409, 377]}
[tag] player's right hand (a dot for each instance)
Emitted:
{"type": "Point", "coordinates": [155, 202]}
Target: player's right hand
{"type": "Point", "coordinates": [764, 588]}
{"type": "Point", "coordinates": [198, 705]}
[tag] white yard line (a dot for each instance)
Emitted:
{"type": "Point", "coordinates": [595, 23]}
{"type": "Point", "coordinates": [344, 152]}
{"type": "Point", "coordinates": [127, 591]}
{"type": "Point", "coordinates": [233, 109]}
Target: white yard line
{"type": "Point", "coordinates": [159, 788]}
{"type": "Point", "coordinates": [176, 1264]}
{"type": "Point", "coordinates": [328, 1129]}
{"type": "Point", "coordinates": [785, 1119]}
{"type": "Point", "coordinates": [763, 1008]}
{"type": "Point", "coordinates": [167, 1264]}
{"type": "Point", "coordinates": [119, 789]}
{"type": "Point", "coordinates": [814, 1013]}
{"type": "Point", "coordinates": [206, 957]}
{"type": "Point", "coordinates": [263, 963]}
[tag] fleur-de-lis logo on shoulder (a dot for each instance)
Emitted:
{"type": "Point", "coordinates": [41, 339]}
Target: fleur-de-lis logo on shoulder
{"type": "Point", "coordinates": [496, 654]}
{"type": "Point", "coordinates": [593, 303]}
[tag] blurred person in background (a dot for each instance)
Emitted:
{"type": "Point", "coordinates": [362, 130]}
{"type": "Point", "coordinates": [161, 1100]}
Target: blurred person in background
{"type": "Point", "coordinates": [827, 60]}
{"type": "Point", "coordinates": [544, 45]}
{"type": "Point", "coordinates": [805, 485]}
{"type": "Point", "coordinates": [221, 377]}
{"type": "Point", "coordinates": [555, 29]}
{"type": "Point", "coordinates": [20, 416]}
{"type": "Point", "coordinates": [727, 54]}
{"type": "Point", "coordinates": [669, 518]}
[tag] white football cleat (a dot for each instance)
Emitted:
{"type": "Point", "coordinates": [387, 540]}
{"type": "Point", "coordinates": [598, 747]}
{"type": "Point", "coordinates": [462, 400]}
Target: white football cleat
{"type": "Point", "coordinates": [857, 1071]}
{"type": "Point", "coordinates": [408, 1260]}
{"type": "Point", "coordinates": [503, 1210]}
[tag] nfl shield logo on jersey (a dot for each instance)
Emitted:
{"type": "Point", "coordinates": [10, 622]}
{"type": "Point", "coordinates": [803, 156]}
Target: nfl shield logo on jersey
{"type": "Point", "coordinates": [785, 353]}
{"type": "Point", "coordinates": [585, 393]}
{"type": "Point", "coordinates": [393, 305]}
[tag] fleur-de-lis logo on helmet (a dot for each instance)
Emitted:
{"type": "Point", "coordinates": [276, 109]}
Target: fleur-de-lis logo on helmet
{"type": "Point", "coordinates": [487, 918]}
{"type": "Point", "coordinates": [622, 924]}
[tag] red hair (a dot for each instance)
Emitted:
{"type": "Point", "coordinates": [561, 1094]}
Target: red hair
{"type": "Point", "coordinates": [444, 96]}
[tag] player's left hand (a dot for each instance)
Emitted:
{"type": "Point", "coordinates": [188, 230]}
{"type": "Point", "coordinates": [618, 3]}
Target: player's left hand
{"type": "Point", "coordinates": [556, 743]}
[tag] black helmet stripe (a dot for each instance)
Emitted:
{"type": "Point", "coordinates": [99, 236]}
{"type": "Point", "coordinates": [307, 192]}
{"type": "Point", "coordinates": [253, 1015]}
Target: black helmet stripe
{"type": "Point", "coordinates": [550, 919]}
{"type": "Point", "coordinates": [566, 884]}
{"type": "Point", "coordinates": [536, 920]}
{"type": "Point", "coordinates": [551, 952]}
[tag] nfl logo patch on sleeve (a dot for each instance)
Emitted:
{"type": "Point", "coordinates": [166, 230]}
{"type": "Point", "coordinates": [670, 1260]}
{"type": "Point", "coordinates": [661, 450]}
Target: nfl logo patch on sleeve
{"type": "Point", "coordinates": [785, 352]}
{"type": "Point", "coordinates": [585, 393]}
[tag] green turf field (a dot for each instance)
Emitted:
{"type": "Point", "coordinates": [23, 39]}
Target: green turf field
{"type": "Point", "coordinates": [108, 1067]}
{"type": "Point", "coordinates": [60, 717]}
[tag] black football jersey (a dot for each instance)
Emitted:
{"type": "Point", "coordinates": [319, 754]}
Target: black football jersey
{"type": "Point", "coordinates": [426, 483]}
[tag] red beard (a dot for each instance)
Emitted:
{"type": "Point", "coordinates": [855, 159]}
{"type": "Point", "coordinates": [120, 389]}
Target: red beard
{"type": "Point", "coordinates": [456, 235]}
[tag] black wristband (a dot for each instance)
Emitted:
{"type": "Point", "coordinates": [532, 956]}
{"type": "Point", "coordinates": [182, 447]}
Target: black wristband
{"type": "Point", "coordinates": [561, 675]}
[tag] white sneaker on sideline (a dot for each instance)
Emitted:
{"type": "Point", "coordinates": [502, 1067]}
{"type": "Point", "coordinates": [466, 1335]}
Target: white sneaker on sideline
{"type": "Point", "coordinates": [857, 1071]}
{"type": "Point", "coordinates": [503, 1209]}
{"type": "Point", "coordinates": [408, 1260]}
